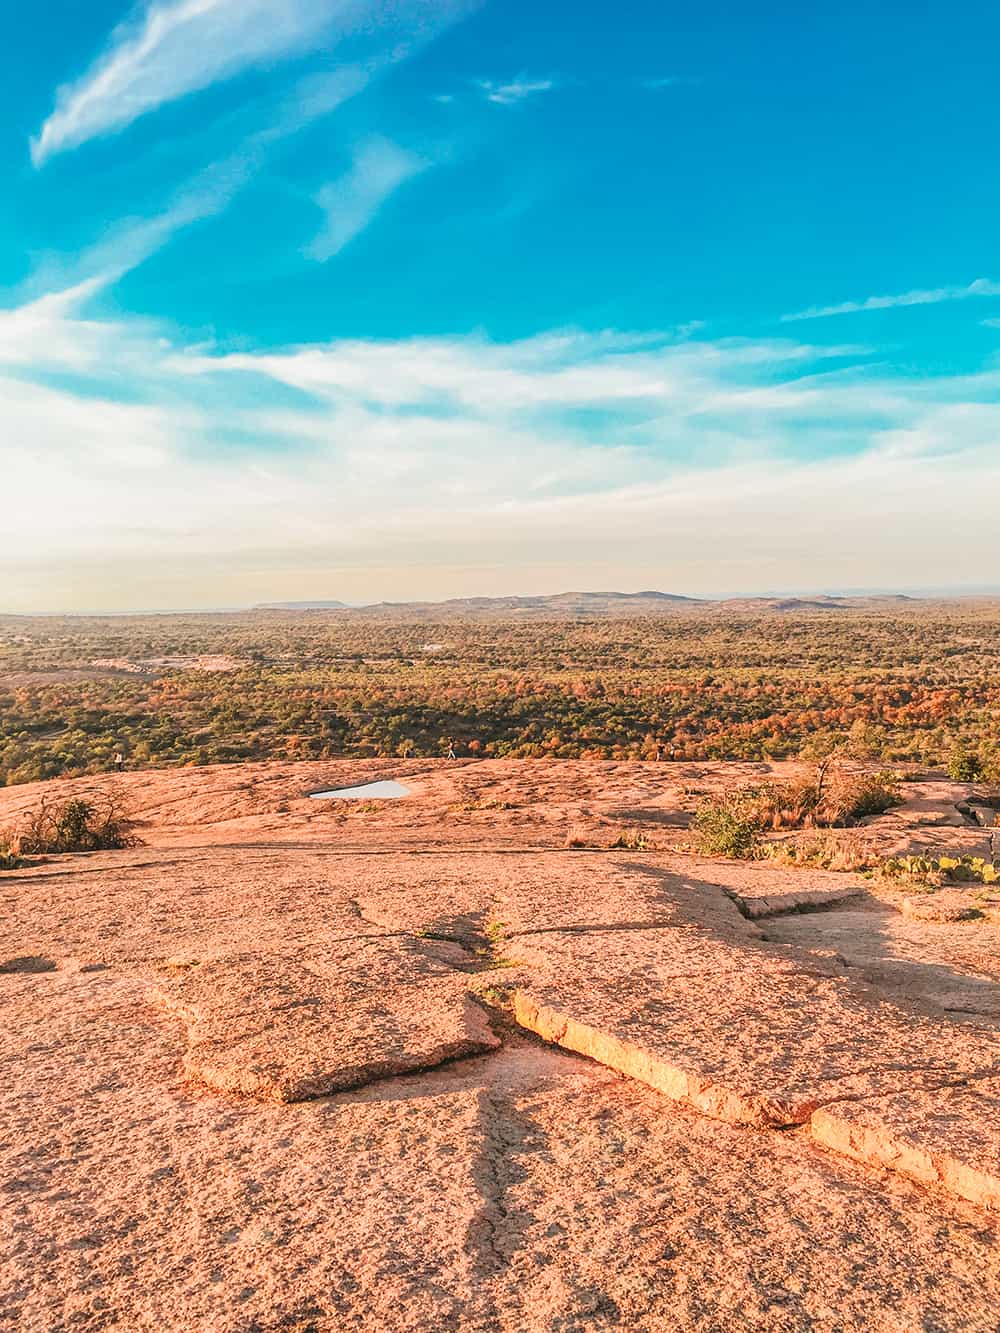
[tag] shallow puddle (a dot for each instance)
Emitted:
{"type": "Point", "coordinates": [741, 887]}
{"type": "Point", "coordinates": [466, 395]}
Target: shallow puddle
{"type": "Point", "coordinates": [372, 791]}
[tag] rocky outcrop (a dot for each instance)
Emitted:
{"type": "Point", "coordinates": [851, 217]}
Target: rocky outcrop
{"type": "Point", "coordinates": [937, 1135]}
{"type": "Point", "coordinates": [426, 1068]}
{"type": "Point", "coordinates": [738, 1033]}
{"type": "Point", "coordinates": [287, 1028]}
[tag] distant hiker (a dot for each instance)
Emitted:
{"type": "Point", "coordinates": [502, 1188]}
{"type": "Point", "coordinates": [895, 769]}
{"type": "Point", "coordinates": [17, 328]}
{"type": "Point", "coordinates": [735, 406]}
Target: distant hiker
{"type": "Point", "coordinates": [451, 749]}
{"type": "Point", "coordinates": [119, 762]}
{"type": "Point", "coordinates": [658, 756]}
{"type": "Point", "coordinates": [672, 752]}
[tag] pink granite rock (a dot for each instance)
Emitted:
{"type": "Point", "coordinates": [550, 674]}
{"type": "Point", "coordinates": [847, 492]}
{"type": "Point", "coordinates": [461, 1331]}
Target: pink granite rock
{"type": "Point", "coordinates": [935, 1135]}
{"type": "Point", "coordinates": [944, 905]}
{"type": "Point", "coordinates": [740, 1032]}
{"type": "Point", "coordinates": [286, 1028]}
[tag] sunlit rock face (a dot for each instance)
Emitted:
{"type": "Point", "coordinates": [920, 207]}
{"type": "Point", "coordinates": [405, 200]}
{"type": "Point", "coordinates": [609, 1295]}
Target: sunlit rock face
{"type": "Point", "coordinates": [421, 1064]}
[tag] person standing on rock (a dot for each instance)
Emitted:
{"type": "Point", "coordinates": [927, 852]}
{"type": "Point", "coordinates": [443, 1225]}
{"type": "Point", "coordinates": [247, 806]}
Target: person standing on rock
{"type": "Point", "coordinates": [451, 749]}
{"type": "Point", "coordinates": [119, 762]}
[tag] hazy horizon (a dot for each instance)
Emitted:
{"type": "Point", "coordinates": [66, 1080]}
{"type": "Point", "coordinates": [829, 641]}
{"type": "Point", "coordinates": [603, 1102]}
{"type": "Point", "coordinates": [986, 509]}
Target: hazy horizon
{"type": "Point", "coordinates": [208, 608]}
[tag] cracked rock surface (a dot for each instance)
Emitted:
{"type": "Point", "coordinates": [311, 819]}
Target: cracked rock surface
{"type": "Point", "coordinates": [737, 1032]}
{"type": "Point", "coordinates": [287, 1067]}
{"type": "Point", "coordinates": [933, 1134]}
{"type": "Point", "coordinates": [284, 1029]}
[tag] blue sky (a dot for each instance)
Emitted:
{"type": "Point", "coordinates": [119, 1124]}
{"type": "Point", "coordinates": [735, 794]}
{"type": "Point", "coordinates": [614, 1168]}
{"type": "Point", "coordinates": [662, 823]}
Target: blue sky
{"type": "Point", "coordinates": [329, 298]}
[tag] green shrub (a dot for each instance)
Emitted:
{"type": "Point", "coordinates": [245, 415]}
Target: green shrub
{"type": "Point", "coordinates": [964, 766]}
{"type": "Point", "coordinates": [989, 761]}
{"type": "Point", "coordinates": [632, 840]}
{"type": "Point", "coordinates": [731, 824]}
{"type": "Point", "coordinates": [823, 852]}
{"type": "Point", "coordinates": [76, 826]}
{"type": "Point", "coordinates": [944, 869]}
{"type": "Point", "coordinates": [725, 827]}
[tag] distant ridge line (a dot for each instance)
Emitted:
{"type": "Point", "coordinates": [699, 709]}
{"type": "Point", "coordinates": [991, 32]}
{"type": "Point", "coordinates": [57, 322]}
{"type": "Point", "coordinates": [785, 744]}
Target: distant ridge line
{"type": "Point", "coordinates": [647, 603]}
{"type": "Point", "coordinates": [300, 606]}
{"type": "Point", "coordinates": [591, 605]}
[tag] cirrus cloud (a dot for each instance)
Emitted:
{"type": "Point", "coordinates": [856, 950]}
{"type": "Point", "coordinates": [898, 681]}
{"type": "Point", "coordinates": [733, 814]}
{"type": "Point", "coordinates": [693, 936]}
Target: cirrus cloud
{"type": "Point", "coordinates": [171, 48]}
{"type": "Point", "coordinates": [378, 169]}
{"type": "Point", "coordinates": [919, 296]}
{"type": "Point", "coordinates": [515, 90]}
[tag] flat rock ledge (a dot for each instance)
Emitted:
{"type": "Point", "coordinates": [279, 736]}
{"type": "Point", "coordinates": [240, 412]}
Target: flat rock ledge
{"type": "Point", "coordinates": [734, 1029]}
{"type": "Point", "coordinates": [703, 1093]}
{"type": "Point", "coordinates": [761, 1041]}
{"type": "Point", "coordinates": [943, 1136]}
{"type": "Point", "coordinates": [781, 904]}
{"type": "Point", "coordinates": [286, 1029]}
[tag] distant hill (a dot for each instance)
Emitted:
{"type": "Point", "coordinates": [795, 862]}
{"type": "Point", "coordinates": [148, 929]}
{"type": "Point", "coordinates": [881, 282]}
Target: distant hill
{"type": "Point", "coordinates": [786, 603]}
{"type": "Point", "coordinates": [301, 606]}
{"type": "Point", "coordinates": [822, 602]}
{"type": "Point", "coordinates": [562, 605]}
{"type": "Point", "coordinates": [593, 606]}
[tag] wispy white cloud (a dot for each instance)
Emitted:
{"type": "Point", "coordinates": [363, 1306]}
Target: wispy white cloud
{"type": "Point", "coordinates": [379, 168]}
{"type": "Point", "coordinates": [171, 48]}
{"type": "Point", "coordinates": [920, 296]}
{"type": "Point", "coordinates": [470, 374]}
{"type": "Point", "coordinates": [131, 241]}
{"type": "Point", "coordinates": [516, 90]}
{"type": "Point", "coordinates": [51, 333]}
{"type": "Point", "coordinates": [317, 95]}
{"type": "Point", "coordinates": [150, 474]}
{"type": "Point", "coordinates": [523, 88]}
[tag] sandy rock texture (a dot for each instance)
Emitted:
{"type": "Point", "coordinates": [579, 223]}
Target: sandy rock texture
{"type": "Point", "coordinates": [739, 1033]}
{"type": "Point", "coordinates": [285, 1029]}
{"type": "Point", "coordinates": [418, 1064]}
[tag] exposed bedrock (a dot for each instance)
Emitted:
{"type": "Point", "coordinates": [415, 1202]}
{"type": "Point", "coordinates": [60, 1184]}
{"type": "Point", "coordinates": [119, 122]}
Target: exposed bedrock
{"type": "Point", "coordinates": [289, 1028]}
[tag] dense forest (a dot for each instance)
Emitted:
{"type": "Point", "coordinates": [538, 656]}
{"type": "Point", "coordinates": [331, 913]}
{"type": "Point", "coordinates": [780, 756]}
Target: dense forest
{"type": "Point", "coordinates": [900, 683]}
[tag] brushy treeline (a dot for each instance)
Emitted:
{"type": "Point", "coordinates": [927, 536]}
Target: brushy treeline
{"type": "Point", "coordinates": [908, 683]}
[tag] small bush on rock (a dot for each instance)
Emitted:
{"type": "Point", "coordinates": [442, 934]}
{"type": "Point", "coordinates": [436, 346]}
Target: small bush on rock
{"type": "Point", "coordinates": [857, 796]}
{"type": "Point", "coordinates": [76, 826]}
{"type": "Point", "coordinates": [981, 764]}
{"type": "Point", "coordinates": [10, 860]}
{"type": "Point", "coordinates": [822, 852]}
{"type": "Point", "coordinates": [727, 827]}
{"type": "Point", "coordinates": [964, 766]}
{"type": "Point", "coordinates": [940, 870]}
{"type": "Point", "coordinates": [732, 824]}
{"type": "Point", "coordinates": [633, 840]}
